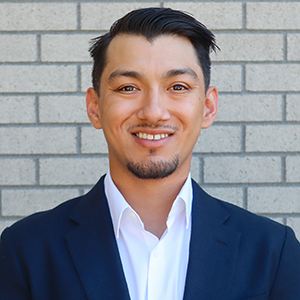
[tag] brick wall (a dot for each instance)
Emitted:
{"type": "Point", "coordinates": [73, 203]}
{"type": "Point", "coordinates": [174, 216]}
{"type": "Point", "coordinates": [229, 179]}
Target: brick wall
{"type": "Point", "coordinates": [49, 152]}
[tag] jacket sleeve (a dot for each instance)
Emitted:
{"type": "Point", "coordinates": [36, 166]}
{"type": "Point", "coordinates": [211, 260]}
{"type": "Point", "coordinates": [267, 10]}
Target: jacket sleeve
{"type": "Point", "coordinates": [287, 280]}
{"type": "Point", "coordinates": [13, 284]}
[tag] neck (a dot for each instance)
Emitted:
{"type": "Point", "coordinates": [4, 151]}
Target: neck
{"type": "Point", "coordinates": [151, 199]}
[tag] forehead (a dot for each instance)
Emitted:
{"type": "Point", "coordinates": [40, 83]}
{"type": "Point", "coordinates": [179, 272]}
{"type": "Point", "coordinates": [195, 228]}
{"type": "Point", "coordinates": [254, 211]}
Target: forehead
{"type": "Point", "coordinates": [165, 52]}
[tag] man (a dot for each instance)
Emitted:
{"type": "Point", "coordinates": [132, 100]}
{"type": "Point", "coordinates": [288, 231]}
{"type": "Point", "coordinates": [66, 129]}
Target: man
{"type": "Point", "coordinates": [146, 230]}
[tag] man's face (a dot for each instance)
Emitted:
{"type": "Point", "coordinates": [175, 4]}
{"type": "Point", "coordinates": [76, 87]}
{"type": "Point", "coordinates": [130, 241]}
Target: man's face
{"type": "Point", "coordinates": [152, 105]}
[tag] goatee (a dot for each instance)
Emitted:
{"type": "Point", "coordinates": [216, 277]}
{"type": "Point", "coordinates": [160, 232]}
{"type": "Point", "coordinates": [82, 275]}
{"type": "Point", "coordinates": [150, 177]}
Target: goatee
{"type": "Point", "coordinates": [153, 169]}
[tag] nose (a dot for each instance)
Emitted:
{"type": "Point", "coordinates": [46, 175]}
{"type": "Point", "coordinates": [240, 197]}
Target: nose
{"type": "Point", "coordinates": [153, 108]}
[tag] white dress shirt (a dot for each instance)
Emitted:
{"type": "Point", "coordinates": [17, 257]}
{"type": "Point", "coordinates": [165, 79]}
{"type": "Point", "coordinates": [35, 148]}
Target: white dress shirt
{"type": "Point", "coordinates": [155, 269]}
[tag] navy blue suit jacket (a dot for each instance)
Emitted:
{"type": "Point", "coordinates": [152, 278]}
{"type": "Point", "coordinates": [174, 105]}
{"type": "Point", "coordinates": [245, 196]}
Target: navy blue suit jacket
{"type": "Point", "coordinates": [70, 253]}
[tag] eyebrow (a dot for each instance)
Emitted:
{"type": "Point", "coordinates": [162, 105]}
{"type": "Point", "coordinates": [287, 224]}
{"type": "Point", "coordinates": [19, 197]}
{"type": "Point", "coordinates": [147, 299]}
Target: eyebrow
{"type": "Point", "coordinates": [136, 75]}
{"type": "Point", "coordinates": [118, 73]}
{"type": "Point", "coordinates": [176, 72]}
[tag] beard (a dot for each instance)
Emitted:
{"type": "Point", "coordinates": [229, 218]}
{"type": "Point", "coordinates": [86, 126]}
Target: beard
{"type": "Point", "coordinates": [153, 169]}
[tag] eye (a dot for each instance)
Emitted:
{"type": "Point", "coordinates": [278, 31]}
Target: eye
{"type": "Point", "coordinates": [178, 87]}
{"type": "Point", "coordinates": [127, 88]}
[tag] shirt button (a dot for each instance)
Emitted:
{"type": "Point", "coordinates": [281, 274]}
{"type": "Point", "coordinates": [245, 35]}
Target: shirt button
{"type": "Point", "coordinates": [155, 252]}
{"type": "Point", "coordinates": [131, 215]}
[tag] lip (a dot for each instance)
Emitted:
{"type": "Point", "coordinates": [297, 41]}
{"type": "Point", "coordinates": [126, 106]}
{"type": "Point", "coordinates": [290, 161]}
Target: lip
{"type": "Point", "coordinates": [152, 143]}
{"type": "Point", "coordinates": [153, 131]}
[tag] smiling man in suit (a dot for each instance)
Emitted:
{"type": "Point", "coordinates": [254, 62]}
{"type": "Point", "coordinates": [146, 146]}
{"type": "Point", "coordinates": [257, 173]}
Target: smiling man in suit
{"type": "Point", "coordinates": [147, 231]}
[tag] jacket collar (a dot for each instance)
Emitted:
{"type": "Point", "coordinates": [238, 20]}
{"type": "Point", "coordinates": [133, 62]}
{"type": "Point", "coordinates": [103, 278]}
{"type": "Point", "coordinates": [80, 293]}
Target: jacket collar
{"type": "Point", "coordinates": [93, 248]}
{"type": "Point", "coordinates": [213, 249]}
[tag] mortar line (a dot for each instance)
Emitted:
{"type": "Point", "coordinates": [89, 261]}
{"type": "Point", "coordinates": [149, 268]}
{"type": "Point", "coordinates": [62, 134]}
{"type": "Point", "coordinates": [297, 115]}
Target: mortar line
{"type": "Point", "coordinates": [285, 48]}
{"type": "Point", "coordinates": [245, 198]}
{"type": "Point", "coordinates": [78, 75]}
{"type": "Point", "coordinates": [283, 169]}
{"type": "Point", "coordinates": [243, 138]}
{"type": "Point", "coordinates": [38, 48]}
{"type": "Point", "coordinates": [284, 108]}
{"type": "Point", "coordinates": [37, 108]}
{"type": "Point", "coordinates": [244, 16]}
{"type": "Point", "coordinates": [78, 141]}
{"type": "Point", "coordinates": [37, 171]}
{"type": "Point", "coordinates": [78, 12]}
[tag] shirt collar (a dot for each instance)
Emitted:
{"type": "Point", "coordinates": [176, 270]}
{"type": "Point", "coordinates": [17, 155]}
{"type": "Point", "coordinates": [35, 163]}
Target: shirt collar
{"type": "Point", "coordinates": [186, 195]}
{"type": "Point", "coordinates": [117, 204]}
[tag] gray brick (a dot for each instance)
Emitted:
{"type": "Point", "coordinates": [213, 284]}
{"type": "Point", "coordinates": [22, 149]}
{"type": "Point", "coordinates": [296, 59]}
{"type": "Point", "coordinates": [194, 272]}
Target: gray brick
{"type": "Point", "coordinates": [274, 199]}
{"type": "Point", "coordinates": [53, 20]}
{"type": "Point", "coordinates": [293, 107]}
{"type": "Point", "coordinates": [38, 16]}
{"type": "Point", "coordinates": [227, 78]}
{"type": "Point", "coordinates": [277, 15]}
{"type": "Point", "coordinates": [226, 15]}
{"type": "Point", "coordinates": [271, 77]}
{"type": "Point", "coordinates": [63, 109]}
{"type": "Point", "coordinates": [295, 224]}
{"type": "Point", "coordinates": [228, 194]}
{"type": "Point", "coordinates": [195, 168]}
{"type": "Point", "coordinates": [66, 47]}
{"type": "Point", "coordinates": [273, 138]}
{"type": "Point", "coordinates": [86, 77]}
{"type": "Point", "coordinates": [107, 13]}
{"type": "Point", "coordinates": [247, 108]}
{"type": "Point", "coordinates": [17, 47]}
{"type": "Point", "coordinates": [242, 169]}
{"type": "Point", "coordinates": [17, 109]}
{"type": "Point", "coordinates": [293, 46]}
{"type": "Point", "coordinates": [93, 141]}
{"type": "Point", "coordinates": [293, 169]}
{"type": "Point", "coordinates": [72, 171]}
{"type": "Point", "coordinates": [17, 172]}
{"type": "Point", "coordinates": [219, 139]}
{"type": "Point", "coordinates": [34, 140]}
{"type": "Point", "coordinates": [30, 79]}
{"type": "Point", "coordinates": [28, 201]}
{"type": "Point", "coordinates": [249, 47]}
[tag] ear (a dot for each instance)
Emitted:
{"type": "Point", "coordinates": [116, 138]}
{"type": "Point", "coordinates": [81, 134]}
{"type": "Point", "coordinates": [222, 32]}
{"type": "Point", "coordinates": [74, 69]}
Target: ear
{"type": "Point", "coordinates": [92, 107]}
{"type": "Point", "coordinates": [211, 107]}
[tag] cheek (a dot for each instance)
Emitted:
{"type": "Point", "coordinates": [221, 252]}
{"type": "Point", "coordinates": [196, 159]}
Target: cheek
{"type": "Point", "coordinates": [191, 114]}
{"type": "Point", "coordinates": [115, 115]}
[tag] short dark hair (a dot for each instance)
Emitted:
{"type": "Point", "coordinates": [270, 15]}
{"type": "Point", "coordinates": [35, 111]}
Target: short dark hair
{"type": "Point", "coordinates": [151, 23]}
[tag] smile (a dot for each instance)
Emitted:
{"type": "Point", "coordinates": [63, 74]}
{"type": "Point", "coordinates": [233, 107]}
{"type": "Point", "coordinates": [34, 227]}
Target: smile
{"type": "Point", "coordinates": [151, 137]}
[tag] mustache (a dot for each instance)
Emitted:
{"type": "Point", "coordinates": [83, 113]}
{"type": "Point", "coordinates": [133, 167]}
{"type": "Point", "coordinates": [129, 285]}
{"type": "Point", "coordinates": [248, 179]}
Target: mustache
{"type": "Point", "coordinates": [152, 126]}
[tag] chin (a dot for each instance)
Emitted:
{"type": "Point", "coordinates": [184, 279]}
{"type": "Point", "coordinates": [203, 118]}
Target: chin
{"type": "Point", "coordinates": [151, 170]}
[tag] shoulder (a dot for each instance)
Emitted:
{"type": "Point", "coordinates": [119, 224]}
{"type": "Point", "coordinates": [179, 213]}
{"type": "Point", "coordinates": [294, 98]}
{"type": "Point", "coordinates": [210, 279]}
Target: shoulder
{"type": "Point", "coordinates": [54, 222]}
{"type": "Point", "coordinates": [250, 225]}
{"type": "Point", "coordinates": [57, 221]}
{"type": "Point", "coordinates": [243, 218]}
{"type": "Point", "coordinates": [265, 247]}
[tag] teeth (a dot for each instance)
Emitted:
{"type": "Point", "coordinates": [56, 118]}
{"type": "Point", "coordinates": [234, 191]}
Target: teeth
{"type": "Point", "coordinates": [151, 137]}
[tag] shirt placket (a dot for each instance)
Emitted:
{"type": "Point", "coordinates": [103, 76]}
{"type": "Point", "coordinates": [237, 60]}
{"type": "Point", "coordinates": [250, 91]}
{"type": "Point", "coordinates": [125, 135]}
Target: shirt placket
{"type": "Point", "coordinates": [156, 273]}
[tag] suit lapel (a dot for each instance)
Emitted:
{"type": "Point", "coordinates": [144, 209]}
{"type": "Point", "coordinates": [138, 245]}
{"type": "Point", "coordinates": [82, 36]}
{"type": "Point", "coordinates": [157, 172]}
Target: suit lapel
{"type": "Point", "coordinates": [93, 248]}
{"type": "Point", "coordinates": [213, 250]}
